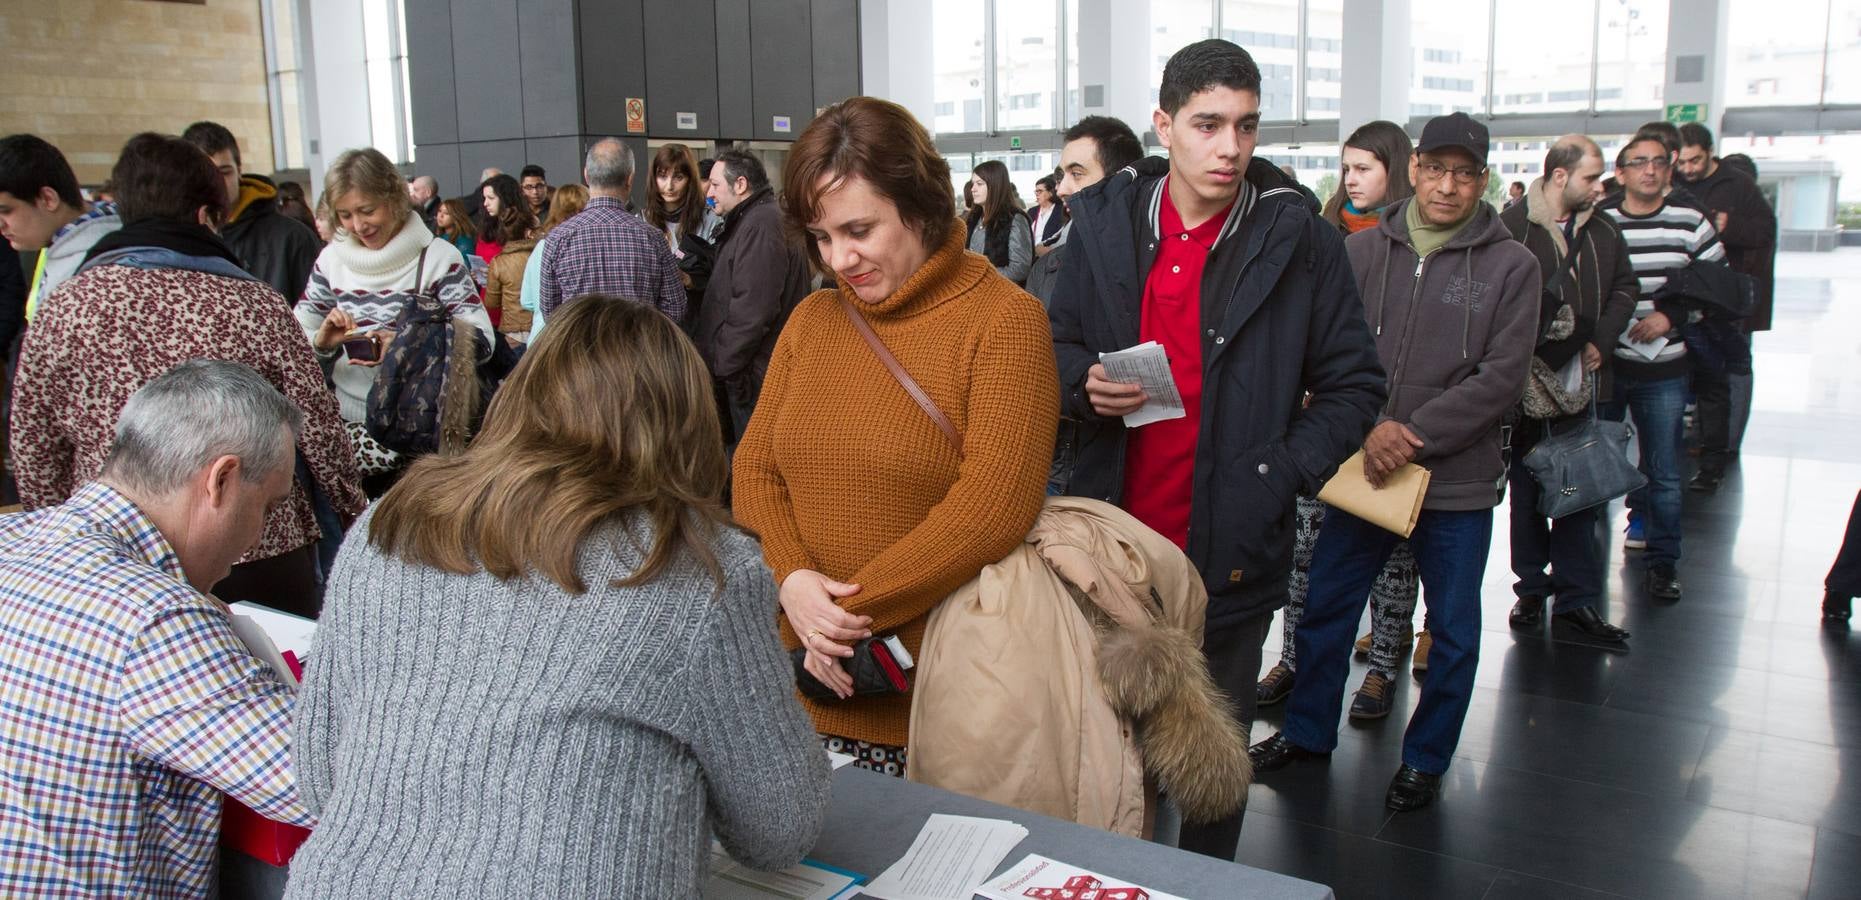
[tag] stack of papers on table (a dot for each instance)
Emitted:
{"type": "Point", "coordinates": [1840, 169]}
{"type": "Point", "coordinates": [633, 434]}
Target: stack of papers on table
{"type": "Point", "coordinates": [950, 858]}
{"type": "Point", "coordinates": [1040, 877]}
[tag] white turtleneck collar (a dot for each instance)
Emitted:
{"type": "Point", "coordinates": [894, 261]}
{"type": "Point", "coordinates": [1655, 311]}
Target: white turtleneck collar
{"type": "Point", "coordinates": [400, 250]}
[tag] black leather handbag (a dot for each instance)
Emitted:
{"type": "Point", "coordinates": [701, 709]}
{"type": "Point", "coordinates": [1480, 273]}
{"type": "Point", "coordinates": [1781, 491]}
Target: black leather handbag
{"type": "Point", "coordinates": [1583, 467]}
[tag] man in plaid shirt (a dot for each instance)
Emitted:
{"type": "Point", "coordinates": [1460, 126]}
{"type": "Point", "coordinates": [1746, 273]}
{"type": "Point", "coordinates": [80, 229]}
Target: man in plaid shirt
{"type": "Point", "coordinates": [127, 704]}
{"type": "Point", "coordinates": [606, 250]}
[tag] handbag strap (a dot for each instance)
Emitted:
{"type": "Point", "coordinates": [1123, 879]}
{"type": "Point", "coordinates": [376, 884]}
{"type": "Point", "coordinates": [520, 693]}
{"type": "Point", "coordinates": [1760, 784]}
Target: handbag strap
{"type": "Point", "coordinates": [1568, 266]}
{"type": "Point", "coordinates": [420, 272]}
{"type": "Point", "coordinates": [898, 372]}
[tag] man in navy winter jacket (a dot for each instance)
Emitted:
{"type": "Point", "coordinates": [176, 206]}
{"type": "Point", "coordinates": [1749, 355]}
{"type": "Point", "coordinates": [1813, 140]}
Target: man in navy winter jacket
{"type": "Point", "coordinates": [1223, 260]}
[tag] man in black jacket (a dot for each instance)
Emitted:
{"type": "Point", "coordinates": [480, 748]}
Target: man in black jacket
{"type": "Point", "coordinates": [1224, 261]}
{"type": "Point", "coordinates": [756, 280]}
{"type": "Point", "coordinates": [272, 246]}
{"type": "Point", "coordinates": [1558, 218]}
{"type": "Point", "coordinates": [1747, 227]}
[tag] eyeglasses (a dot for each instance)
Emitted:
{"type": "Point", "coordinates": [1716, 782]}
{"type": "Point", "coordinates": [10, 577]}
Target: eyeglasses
{"type": "Point", "coordinates": [1658, 162]}
{"type": "Point", "coordinates": [1463, 175]}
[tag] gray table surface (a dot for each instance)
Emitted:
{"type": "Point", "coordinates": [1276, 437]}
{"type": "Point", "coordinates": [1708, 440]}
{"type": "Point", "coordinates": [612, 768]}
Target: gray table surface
{"type": "Point", "coordinates": [874, 819]}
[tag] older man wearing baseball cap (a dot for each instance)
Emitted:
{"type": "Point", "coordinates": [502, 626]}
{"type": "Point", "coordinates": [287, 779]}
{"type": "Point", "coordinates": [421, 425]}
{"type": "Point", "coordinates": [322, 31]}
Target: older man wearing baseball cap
{"type": "Point", "coordinates": [1453, 300]}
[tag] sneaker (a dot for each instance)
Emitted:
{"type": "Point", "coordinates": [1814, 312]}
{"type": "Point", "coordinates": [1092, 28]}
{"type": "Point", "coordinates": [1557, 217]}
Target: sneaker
{"type": "Point", "coordinates": [1424, 642]}
{"type": "Point", "coordinates": [1363, 645]}
{"type": "Point", "coordinates": [1636, 538]}
{"type": "Point", "coordinates": [1374, 699]}
{"type": "Point", "coordinates": [1275, 686]}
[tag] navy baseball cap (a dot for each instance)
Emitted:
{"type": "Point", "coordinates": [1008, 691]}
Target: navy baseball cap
{"type": "Point", "coordinates": [1455, 130]}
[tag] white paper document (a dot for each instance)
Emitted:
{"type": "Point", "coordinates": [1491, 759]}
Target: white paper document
{"type": "Point", "coordinates": [267, 633]}
{"type": "Point", "coordinates": [1149, 366]}
{"type": "Point", "coordinates": [950, 858]}
{"type": "Point", "coordinates": [1649, 349]}
{"type": "Point", "coordinates": [1572, 374]}
{"type": "Point", "coordinates": [1037, 876]}
{"type": "Point", "coordinates": [289, 632]}
{"type": "Point", "coordinates": [732, 880]}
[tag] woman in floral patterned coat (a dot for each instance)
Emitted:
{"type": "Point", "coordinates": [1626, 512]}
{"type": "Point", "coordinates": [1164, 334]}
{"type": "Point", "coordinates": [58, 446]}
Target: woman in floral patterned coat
{"type": "Point", "coordinates": [163, 290]}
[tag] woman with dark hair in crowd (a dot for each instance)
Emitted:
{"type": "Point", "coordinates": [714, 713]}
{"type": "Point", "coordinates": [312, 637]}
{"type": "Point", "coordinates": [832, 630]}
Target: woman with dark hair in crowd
{"type": "Point", "coordinates": [1048, 215]}
{"type": "Point", "coordinates": [291, 202]}
{"type": "Point", "coordinates": [507, 216]}
{"type": "Point", "coordinates": [998, 230]}
{"type": "Point", "coordinates": [870, 512]}
{"type": "Point", "coordinates": [454, 225]}
{"type": "Point", "coordinates": [163, 290]}
{"type": "Point", "coordinates": [1373, 172]}
{"type": "Point", "coordinates": [560, 643]}
{"type": "Point", "coordinates": [676, 207]}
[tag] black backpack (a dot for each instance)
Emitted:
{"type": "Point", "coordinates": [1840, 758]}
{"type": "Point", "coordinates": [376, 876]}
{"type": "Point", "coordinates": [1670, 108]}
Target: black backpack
{"type": "Point", "coordinates": [430, 391]}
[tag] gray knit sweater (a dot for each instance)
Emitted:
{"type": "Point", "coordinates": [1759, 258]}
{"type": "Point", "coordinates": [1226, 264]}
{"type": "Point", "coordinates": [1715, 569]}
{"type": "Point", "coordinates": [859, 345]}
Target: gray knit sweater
{"type": "Point", "coordinates": [462, 737]}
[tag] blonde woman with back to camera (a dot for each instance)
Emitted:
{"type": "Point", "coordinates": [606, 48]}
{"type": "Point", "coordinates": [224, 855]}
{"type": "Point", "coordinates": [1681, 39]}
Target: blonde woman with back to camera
{"type": "Point", "coordinates": [869, 513]}
{"type": "Point", "coordinates": [545, 666]}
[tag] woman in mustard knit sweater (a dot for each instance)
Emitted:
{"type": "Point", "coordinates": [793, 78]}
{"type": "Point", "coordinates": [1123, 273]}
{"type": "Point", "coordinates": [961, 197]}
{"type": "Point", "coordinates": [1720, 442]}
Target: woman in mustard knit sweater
{"type": "Point", "coordinates": [869, 514]}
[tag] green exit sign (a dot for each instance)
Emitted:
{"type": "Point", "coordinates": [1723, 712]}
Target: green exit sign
{"type": "Point", "coordinates": [1682, 113]}
{"type": "Point", "coordinates": [1014, 143]}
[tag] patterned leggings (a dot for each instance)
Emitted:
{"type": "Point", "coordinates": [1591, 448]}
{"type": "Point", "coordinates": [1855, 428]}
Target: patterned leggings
{"type": "Point", "coordinates": [882, 758]}
{"type": "Point", "coordinates": [1392, 597]}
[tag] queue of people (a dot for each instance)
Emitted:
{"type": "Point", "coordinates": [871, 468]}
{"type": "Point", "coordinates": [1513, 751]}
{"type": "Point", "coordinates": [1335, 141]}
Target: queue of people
{"type": "Point", "coordinates": [693, 442]}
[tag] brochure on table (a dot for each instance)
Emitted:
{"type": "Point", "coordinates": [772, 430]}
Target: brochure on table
{"type": "Point", "coordinates": [810, 880]}
{"type": "Point", "coordinates": [1039, 877]}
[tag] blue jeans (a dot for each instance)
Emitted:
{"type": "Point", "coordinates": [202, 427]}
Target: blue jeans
{"type": "Point", "coordinates": [1450, 554]}
{"type": "Point", "coordinates": [1659, 408]}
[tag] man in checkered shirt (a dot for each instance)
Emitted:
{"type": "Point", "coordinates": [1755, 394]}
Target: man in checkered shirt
{"type": "Point", "coordinates": [127, 705]}
{"type": "Point", "coordinates": [604, 249]}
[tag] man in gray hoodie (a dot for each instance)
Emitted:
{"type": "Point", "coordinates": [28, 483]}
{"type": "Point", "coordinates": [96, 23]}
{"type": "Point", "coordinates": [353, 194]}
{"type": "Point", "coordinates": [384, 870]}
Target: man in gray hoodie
{"type": "Point", "coordinates": [42, 209]}
{"type": "Point", "coordinates": [1453, 300]}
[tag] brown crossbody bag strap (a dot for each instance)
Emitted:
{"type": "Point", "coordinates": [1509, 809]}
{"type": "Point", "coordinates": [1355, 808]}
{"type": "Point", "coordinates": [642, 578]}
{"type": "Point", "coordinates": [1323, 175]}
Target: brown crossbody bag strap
{"type": "Point", "coordinates": [904, 378]}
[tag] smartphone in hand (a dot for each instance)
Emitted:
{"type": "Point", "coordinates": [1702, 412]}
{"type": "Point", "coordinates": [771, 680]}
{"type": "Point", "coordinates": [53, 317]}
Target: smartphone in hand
{"type": "Point", "coordinates": [362, 347]}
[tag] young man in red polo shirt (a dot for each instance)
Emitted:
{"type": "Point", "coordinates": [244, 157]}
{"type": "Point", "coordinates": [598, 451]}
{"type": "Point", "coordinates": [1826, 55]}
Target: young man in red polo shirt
{"type": "Point", "coordinates": [1221, 259]}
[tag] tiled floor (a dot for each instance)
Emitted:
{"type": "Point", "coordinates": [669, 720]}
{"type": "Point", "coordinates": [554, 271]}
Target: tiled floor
{"type": "Point", "coordinates": [1720, 758]}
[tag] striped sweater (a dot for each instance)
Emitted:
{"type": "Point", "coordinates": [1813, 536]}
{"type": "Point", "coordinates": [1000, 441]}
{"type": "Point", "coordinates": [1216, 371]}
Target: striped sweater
{"type": "Point", "coordinates": [1668, 238]}
{"type": "Point", "coordinates": [373, 285]}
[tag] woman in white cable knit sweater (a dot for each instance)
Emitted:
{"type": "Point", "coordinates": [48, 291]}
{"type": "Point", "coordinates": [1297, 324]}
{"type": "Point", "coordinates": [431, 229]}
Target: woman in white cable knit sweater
{"type": "Point", "coordinates": [372, 268]}
{"type": "Point", "coordinates": [548, 667]}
